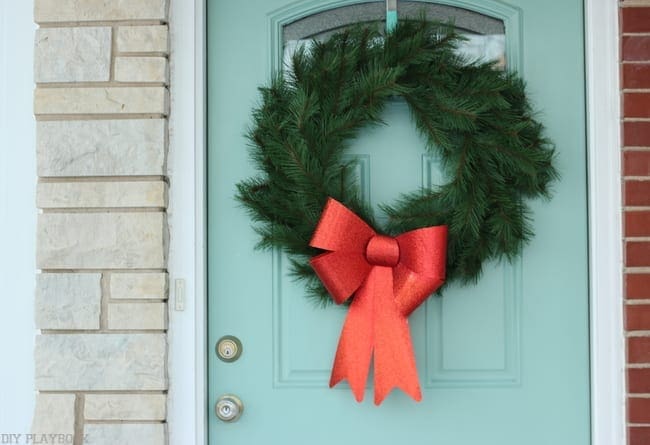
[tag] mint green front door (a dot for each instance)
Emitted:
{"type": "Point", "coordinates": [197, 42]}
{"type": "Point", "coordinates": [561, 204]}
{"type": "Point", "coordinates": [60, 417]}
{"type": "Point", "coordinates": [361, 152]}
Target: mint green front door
{"type": "Point", "coordinates": [504, 362]}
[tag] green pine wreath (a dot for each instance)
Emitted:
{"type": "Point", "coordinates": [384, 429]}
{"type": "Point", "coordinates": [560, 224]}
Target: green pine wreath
{"type": "Point", "coordinates": [476, 119]}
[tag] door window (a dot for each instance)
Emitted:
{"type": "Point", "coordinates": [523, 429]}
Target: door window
{"type": "Point", "coordinates": [485, 35]}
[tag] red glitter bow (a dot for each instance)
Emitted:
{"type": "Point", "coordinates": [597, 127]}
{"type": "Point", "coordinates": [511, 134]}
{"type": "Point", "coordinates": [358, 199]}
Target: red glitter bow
{"type": "Point", "coordinates": [390, 278]}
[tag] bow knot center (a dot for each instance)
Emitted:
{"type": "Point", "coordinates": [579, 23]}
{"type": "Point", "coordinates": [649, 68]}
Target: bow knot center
{"type": "Point", "coordinates": [382, 251]}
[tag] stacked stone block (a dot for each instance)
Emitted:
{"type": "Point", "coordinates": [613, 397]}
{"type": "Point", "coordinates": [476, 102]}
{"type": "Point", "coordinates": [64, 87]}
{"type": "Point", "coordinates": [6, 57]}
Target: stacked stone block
{"type": "Point", "coordinates": [101, 103]}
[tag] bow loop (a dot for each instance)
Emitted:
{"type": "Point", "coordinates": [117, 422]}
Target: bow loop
{"type": "Point", "coordinates": [341, 232]}
{"type": "Point", "coordinates": [422, 266]}
{"type": "Point", "coordinates": [339, 228]}
{"type": "Point", "coordinates": [342, 272]}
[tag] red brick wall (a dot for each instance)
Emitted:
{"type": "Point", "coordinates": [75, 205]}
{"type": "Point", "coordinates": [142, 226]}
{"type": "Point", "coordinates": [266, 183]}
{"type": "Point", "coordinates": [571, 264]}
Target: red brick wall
{"type": "Point", "coordinates": [635, 77]}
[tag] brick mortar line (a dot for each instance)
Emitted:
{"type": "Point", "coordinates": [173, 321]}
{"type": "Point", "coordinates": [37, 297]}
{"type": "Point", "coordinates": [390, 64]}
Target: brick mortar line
{"type": "Point", "coordinates": [111, 68]}
{"type": "Point", "coordinates": [125, 422]}
{"type": "Point", "coordinates": [637, 334]}
{"type": "Point", "coordinates": [54, 332]}
{"type": "Point", "coordinates": [636, 148]}
{"type": "Point", "coordinates": [105, 284]}
{"type": "Point", "coordinates": [635, 119]}
{"type": "Point", "coordinates": [634, 62]}
{"type": "Point", "coordinates": [636, 238]}
{"type": "Point", "coordinates": [636, 270]}
{"type": "Point", "coordinates": [105, 270]}
{"type": "Point", "coordinates": [636, 178]}
{"type": "Point", "coordinates": [101, 179]}
{"type": "Point", "coordinates": [90, 210]}
{"type": "Point", "coordinates": [633, 209]}
{"type": "Point", "coordinates": [635, 90]}
{"type": "Point", "coordinates": [54, 391]}
{"type": "Point", "coordinates": [142, 392]}
{"type": "Point", "coordinates": [638, 395]}
{"type": "Point", "coordinates": [98, 116]}
{"type": "Point", "coordinates": [141, 54]}
{"type": "Point", "coordinates": [635, 34]}
{"type": "Point", "coordinates": [106, 23]}
{"type": "Point", "coordinates": [100, 84]}
{"type": "Point", "coordinates": [637, 301]}
{"type": "Point", "coordinates": [112, 300]}
{"type": "Point", "coordinates": [79, 407]}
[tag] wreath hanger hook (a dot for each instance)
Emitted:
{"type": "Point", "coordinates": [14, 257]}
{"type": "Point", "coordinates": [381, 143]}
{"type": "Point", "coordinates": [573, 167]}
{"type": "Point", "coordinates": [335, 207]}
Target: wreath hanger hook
{"type": "Point", "coordinates": [391, 15]}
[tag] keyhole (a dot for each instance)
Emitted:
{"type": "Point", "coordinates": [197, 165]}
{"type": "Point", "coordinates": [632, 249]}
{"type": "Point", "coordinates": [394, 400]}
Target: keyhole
{"type": "Point", "coordinates": [229, 348]}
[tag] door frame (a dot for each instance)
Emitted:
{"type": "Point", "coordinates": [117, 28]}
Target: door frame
{"type": "Point", "coordinates": [187, 360]}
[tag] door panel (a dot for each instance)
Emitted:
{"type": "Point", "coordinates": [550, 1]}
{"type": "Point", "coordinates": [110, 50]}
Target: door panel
{"type": "Point", "coordinates": [503, 362]}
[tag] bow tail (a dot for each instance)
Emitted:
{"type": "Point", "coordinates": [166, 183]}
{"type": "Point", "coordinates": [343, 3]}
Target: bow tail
{"type": "Point", "coordinates": [354, 351]}
{"type": "Point", "coordinates": [394, 357]}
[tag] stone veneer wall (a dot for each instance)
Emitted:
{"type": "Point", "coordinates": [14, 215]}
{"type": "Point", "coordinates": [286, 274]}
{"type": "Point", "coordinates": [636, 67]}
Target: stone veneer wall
{"type": "Point", "coordinates": [101, 103]}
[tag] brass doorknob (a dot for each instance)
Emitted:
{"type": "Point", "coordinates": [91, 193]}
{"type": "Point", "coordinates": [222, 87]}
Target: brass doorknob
{"type": "Point", "coordinates": [229, 408]}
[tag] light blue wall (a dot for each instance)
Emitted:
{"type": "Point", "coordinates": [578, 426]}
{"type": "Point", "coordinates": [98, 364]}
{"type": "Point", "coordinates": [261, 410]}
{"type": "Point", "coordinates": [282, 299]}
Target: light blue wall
{"type": "Point", "coordinates": [17, 216]}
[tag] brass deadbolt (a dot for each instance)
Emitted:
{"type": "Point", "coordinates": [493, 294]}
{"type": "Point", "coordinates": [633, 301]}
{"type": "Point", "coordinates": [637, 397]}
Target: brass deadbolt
{"type": "Point", "coordinates": [229, 348]}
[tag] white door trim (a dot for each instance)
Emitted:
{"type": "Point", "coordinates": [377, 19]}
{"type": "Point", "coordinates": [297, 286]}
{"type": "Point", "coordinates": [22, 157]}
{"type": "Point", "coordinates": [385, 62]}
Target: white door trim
{"type": "Point", "coordinates": [187, 407]}
{"type": "Point", "coordinates": [186, 164]}
{"type": "Point", "coordinates": [608, 415]}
